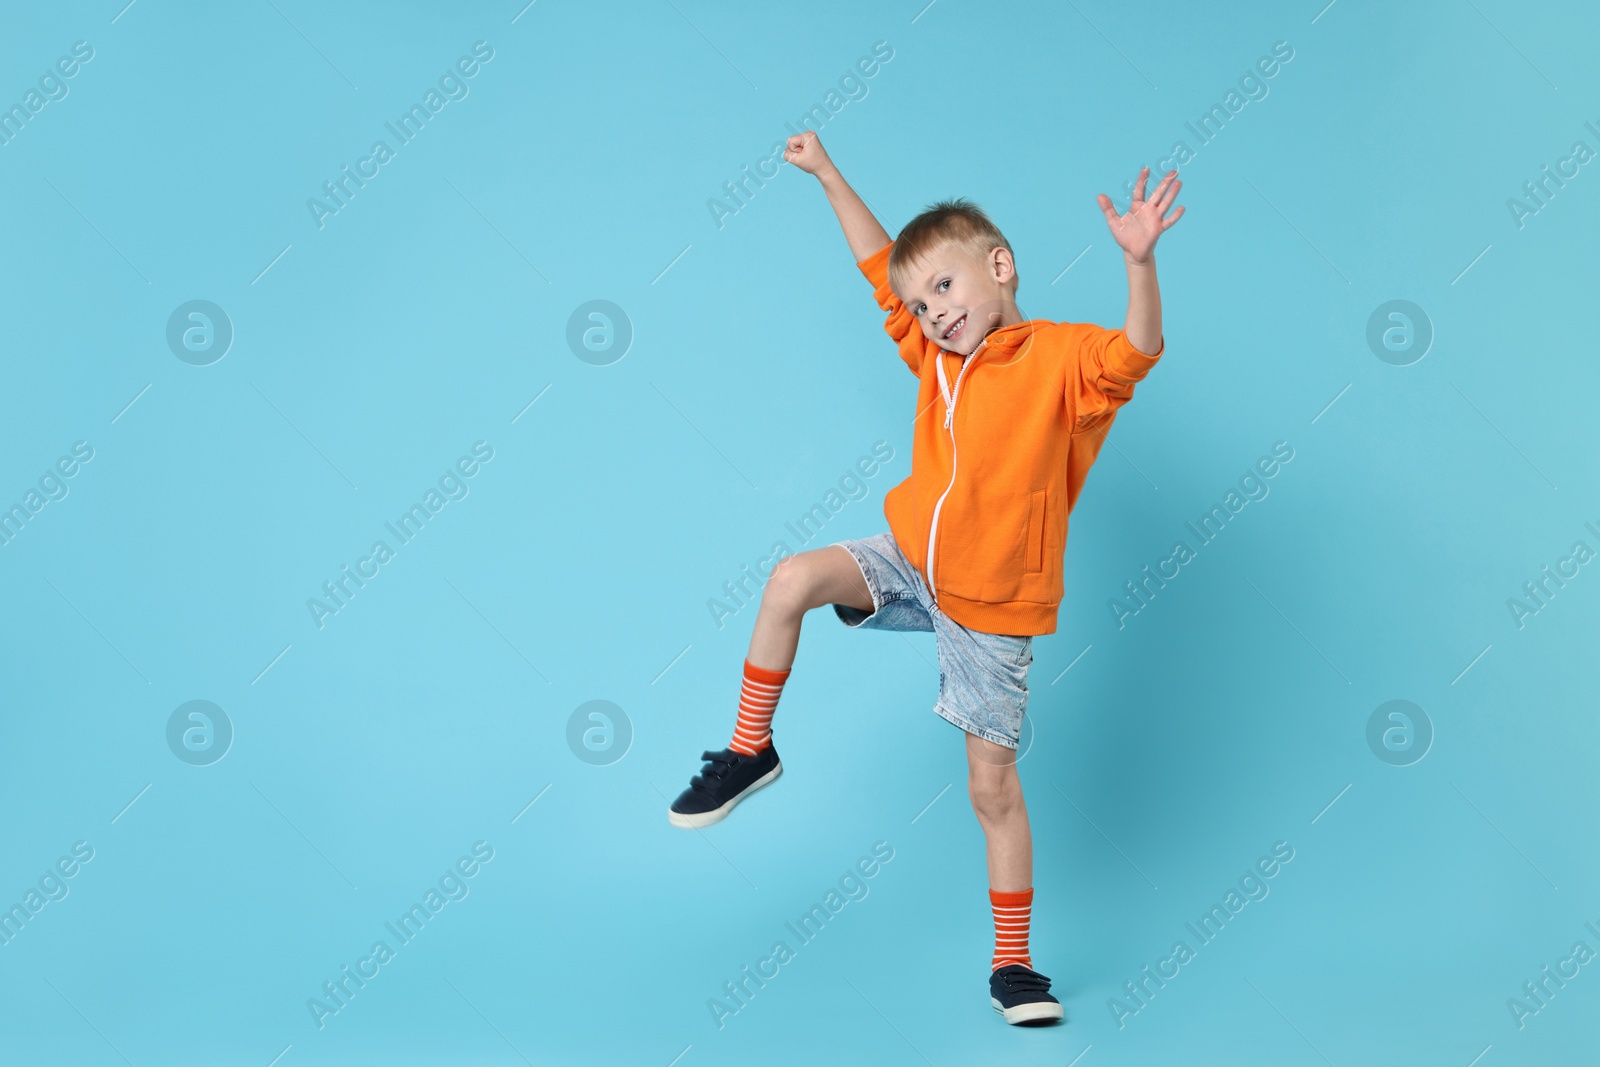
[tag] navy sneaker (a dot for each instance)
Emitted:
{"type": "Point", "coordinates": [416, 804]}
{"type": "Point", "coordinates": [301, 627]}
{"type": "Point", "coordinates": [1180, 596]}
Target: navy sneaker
{"type": "Point", "coordinates": [727, 778]}
{"type": "Point", "coordinates": [1022, 995]}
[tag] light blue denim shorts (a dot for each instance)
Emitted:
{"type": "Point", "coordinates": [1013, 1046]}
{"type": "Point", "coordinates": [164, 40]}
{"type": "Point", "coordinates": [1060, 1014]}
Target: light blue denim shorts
{"type": "Point", "coordinates": [983, 677]}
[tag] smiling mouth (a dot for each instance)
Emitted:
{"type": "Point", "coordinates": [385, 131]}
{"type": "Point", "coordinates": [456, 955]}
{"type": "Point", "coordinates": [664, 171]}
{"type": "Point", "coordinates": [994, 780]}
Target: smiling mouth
{"type": "Point", "coordinates": [955, 328]}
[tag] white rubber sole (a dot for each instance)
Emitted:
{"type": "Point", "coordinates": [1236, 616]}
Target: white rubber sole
{"type": "Point", "coordinates": [1027, 1013]}
{"type": "Point", "coordinates": [706, 818]}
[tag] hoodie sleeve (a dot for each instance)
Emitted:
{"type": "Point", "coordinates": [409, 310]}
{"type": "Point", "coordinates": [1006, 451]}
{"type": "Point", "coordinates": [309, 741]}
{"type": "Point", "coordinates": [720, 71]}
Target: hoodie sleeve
{"type": "Point", "coordinates": [900, 324]}
{"type": "Point", "coordinates": [1102, 374]}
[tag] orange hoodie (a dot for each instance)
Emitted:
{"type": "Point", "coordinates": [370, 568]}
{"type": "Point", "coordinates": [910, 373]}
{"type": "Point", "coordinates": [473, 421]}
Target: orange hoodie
{"type": "Point", "coordinates": [1002, 442]}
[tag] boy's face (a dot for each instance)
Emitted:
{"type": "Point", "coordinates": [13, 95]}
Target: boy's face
{"type": "Point", "coordinates": [956, 297]}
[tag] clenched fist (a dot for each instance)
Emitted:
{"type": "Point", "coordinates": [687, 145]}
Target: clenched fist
{"type": "Point", "coordinates": [806, 152]}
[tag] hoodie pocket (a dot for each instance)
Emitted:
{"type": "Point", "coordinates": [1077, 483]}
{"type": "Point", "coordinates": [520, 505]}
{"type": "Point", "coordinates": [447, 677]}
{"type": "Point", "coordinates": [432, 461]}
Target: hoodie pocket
{"type": "Point", "coordinates": [1034, 560]}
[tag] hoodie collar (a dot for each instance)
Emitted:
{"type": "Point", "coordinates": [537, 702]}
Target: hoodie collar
{"type": "Point", "coordinates": [1005, 341]}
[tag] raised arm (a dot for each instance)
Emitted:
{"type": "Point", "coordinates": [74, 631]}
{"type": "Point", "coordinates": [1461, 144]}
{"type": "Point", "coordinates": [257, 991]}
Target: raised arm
{"type": "Point", "coordinates": [1136, 233]}
{"type": "Point", "coordinates": [1143, 324]}
{"type": "Point", "coordinates": [869, 246]}
{"type": "Point", "coordinates": [861, 229]}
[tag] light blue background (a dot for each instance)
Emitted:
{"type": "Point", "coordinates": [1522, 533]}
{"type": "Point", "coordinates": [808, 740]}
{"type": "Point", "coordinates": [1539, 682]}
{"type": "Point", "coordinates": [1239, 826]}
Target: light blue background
{"type": "Point", "coordinates": [370, 353]}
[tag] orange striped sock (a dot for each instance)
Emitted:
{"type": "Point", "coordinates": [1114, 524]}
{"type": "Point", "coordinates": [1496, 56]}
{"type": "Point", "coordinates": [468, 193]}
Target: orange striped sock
{"type": "Point", "coordinates": [1011, 914]}
{"type": "Point", "coordinates": [758, 699]}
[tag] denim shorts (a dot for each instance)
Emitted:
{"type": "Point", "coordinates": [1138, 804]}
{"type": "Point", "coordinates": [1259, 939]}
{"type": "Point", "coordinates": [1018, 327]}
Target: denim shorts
{"type": "Point", "coordinates": [983, 677]}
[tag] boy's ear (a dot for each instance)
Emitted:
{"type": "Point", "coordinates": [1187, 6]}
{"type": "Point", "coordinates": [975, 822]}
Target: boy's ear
{"type": "Point", "coordinates": [1002, 265]}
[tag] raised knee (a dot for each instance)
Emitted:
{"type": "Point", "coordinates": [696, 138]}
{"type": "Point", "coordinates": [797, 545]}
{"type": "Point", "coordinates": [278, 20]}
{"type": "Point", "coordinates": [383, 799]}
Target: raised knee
{"type": "Point", "coordinates": [788, 586]}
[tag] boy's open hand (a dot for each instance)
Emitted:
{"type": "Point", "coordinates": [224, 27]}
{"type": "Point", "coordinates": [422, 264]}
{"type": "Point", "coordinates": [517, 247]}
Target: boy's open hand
{"type": "Point", "coordinates": [806, 152]}
{"type": "Point", "coordinates": [1136, 232]}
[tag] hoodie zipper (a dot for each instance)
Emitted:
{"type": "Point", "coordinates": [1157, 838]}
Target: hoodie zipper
{"type": "Point", "coordinates": [949, 418]}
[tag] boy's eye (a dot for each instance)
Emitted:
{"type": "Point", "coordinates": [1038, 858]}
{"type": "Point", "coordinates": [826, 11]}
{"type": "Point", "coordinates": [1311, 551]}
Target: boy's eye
{"type": "Point", "coordinates": [944, 284]}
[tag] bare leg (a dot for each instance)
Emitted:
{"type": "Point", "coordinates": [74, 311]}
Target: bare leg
{"type": "Point", "coordinates": [799, 583]}
{"type": "Point", "coordinates": [996, 793]}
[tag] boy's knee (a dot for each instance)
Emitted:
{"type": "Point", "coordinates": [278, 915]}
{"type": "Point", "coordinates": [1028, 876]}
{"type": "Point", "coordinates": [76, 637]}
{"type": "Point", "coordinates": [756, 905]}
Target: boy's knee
{"type": "Point", "coordinates": [788, 586]}
{"type": "Point", "coordinates": [995, 792]}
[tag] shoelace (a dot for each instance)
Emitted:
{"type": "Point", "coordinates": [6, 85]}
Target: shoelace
{"type": "Point", "coordinates": [718, 764]}
{"type": "Point", "coordinates": [1025, 982]}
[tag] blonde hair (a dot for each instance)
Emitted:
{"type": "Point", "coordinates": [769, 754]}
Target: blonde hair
{"type": "Point", "coordinates": [957, 222]}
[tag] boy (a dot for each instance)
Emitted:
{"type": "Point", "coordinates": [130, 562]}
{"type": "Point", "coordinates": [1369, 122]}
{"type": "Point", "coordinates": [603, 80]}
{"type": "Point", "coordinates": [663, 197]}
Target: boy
{"type": "Point", "coordinates": [1010, 415]}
